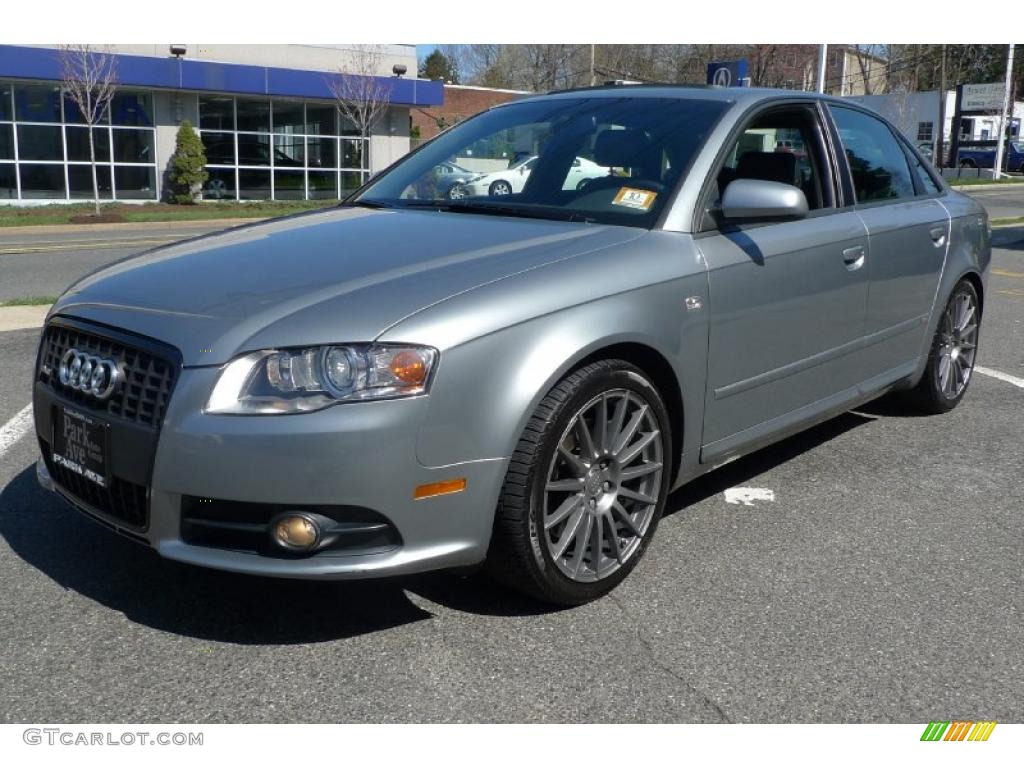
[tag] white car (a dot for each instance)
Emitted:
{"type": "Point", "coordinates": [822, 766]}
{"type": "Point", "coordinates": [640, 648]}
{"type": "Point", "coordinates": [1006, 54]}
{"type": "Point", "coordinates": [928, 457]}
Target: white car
{"type": "Point", "coordinates": [512, 180]}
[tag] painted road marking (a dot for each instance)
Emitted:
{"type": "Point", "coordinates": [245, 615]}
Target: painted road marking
{"type": "Point", "coordinates": [107, 245]}
{"type": "Point", "coordinates": [1007, 273]}
{"type": "Point", "coordinates": [747, 496]}
{"type": "Point", "coordinates": [15, 429]}
{"type": "Point", "coordinates": [1000, 375]}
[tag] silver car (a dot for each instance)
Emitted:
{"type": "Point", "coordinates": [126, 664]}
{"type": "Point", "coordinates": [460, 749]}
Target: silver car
{"type": "Point", "coordinates": [407, 383]}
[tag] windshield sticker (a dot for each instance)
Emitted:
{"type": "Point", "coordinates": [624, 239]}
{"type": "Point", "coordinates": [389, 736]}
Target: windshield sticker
{"type": "Point", "coordinates": [640, 199]}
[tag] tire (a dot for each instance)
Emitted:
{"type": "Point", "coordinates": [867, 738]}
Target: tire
{"type": "Point", "coordinates": [558, 563]}
{"type": "Point", "coordinates": [944, 384]}
{"type": "Point", "coordinates": [456, 192]}
{"type": "Point", "coordinates": [967, 164]}
{"type": "Point", "coordinates": [583, 184]}
{"type": "Point", "coordinates": [499, 188]}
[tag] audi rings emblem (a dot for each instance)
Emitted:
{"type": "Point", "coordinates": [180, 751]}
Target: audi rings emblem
{"type": "Point", "coordinates": [97, 376]}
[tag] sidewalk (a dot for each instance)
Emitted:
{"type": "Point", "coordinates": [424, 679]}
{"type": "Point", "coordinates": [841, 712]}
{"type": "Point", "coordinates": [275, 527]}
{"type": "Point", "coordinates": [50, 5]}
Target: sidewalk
{"type": "Point", "coordinates": [17, 318]}
{"type": "Point", "coordinates": [132, 226]}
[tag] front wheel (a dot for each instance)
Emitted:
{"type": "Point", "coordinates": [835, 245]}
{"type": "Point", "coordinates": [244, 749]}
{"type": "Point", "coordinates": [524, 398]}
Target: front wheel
{"type": "Point", "coordinates": [500, 188]}
{"type": "Point", "coordinates": [951, 358]}
{"type": "Point", "coordinates": [585, 488]}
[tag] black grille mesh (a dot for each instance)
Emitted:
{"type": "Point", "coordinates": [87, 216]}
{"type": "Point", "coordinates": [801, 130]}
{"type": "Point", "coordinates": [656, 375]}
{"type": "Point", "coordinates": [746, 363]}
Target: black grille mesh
{"type": "Point", "coordinates": [141, 398]}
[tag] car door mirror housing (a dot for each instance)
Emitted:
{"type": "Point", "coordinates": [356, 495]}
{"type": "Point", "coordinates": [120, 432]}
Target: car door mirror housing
{"type": "Point", "coordinates": [760, 199]}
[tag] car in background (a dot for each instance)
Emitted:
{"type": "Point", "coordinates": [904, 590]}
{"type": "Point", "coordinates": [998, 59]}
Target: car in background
{"type": "Point", "coordinates": [450, 178]}
{"type": "Point", "coordinates": [512, 180]}
{"type": "Point", "coordinates": [985, 157]}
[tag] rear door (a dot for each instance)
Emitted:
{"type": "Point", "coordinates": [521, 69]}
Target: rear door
{"type": "Point", "coordinates": [908, 234]}
{"type": "Point", "coordinates": [787, 298]}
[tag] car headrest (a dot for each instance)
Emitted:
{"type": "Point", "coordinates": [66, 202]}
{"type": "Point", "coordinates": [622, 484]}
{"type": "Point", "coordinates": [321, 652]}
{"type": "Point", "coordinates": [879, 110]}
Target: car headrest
{"type": "Point", "coordinates": [627, 148]}
{"type": "Point", "coordinates": [767, 166]}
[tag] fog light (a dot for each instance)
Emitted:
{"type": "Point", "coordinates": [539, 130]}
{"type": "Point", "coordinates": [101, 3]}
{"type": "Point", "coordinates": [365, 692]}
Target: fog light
{"type": "Point", "coordinates": [295, 531]}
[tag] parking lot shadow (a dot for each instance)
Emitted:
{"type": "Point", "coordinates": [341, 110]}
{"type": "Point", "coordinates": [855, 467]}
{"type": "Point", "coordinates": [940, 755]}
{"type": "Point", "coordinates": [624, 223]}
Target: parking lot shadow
{"type": "Point", "coordinates": [84, 557]}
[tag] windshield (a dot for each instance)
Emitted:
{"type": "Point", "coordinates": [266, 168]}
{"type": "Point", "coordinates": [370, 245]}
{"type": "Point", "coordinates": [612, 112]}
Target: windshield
{"type": "Point", "coordinates": [606, 160]}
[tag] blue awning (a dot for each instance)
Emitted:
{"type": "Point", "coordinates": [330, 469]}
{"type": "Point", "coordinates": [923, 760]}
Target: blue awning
{"type": "Point", "coordinates": [18, 61]}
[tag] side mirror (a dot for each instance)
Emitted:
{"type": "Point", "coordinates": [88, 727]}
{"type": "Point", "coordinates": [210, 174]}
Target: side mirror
{"type": "Point", "coordinates": [759, 199]}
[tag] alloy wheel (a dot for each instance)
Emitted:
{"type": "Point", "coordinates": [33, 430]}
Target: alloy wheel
{"type": "Point", "coordinates": [958, 345]}
{"type": "Point", "coordinates": [603, 485]}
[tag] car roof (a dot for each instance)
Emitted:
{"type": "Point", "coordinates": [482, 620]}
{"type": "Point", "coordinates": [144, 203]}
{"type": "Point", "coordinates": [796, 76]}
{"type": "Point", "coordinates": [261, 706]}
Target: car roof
{"type": "Point", "coordinates": [745, 96]}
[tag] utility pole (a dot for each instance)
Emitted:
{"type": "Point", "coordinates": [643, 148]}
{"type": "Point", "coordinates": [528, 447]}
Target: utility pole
{"type": "Point", "coordinates": [822, 54]}
{"type": "Point", "coordinates": [593, 77]}
{"type": "Point", "coordinates": [940, 134]}
{"type": "Point", "coordinates": [1004, 123]}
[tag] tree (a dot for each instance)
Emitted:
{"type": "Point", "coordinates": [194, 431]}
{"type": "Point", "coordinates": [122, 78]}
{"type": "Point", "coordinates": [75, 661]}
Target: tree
{"type": "Point", "coordinates": [89, 80]}
{"type": "Point", "coordinates": [439, 66]}
{"type": "Point", "coordinates": [188, 166]}
{"type": "Point", "coordinates": [361, 97]}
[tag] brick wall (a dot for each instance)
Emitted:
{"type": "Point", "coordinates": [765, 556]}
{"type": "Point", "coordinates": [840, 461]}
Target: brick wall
{"type": "Point", "coordinates": [460, 102]}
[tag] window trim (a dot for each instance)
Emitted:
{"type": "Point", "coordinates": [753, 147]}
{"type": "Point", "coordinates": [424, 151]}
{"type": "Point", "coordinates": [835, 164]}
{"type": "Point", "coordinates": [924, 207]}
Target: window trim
{"type": "Point", "coordinates": [703, 223]}
{"type": "Point", "coordinates": [901, 142]}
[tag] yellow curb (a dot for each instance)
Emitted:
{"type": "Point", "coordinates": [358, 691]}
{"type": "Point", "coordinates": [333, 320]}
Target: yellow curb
{"type": "Point", "coordinates": [42, 229]}
{"type": "Point", "coordinates": [17, 318]}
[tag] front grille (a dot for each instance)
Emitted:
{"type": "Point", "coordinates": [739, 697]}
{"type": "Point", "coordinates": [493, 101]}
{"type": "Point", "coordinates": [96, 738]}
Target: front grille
{"type": "Point", "coordinates": [124, 501]}
{"type": "Point", "coordinates": [150, 371]}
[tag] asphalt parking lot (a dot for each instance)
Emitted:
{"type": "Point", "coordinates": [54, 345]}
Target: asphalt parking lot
{"type": "Point", "coordinates": [882, 584]}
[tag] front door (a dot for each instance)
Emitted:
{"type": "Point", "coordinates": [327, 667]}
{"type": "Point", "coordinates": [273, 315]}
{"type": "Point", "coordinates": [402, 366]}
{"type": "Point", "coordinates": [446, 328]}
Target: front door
{"type": "Point", "coordinates": [787, 299]}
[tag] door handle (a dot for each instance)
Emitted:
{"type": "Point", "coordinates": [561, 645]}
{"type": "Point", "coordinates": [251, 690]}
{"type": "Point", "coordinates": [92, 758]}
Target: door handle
{"type": "Point", "coordinates": [853, 257]}
{"type": "Point", "coordinates": [938, 235]}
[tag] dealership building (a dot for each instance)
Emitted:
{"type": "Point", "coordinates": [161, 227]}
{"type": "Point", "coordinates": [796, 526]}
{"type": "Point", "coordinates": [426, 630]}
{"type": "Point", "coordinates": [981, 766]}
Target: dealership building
{"type": "Point", "coordinates": [265, 113]}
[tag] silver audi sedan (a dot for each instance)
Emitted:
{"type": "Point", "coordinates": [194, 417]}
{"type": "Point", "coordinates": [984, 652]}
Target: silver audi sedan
{"type": "Point", "coordinates": [409, 382]}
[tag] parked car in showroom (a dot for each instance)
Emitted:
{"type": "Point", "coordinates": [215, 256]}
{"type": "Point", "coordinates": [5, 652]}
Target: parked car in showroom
{"type": "Point", "coordinates": [404, 384]}
{"type": "Point", "coordinates": [512, 180]}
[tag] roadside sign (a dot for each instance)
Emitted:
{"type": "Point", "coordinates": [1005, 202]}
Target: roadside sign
{"type": "Point", "coordinates": [728, 73]}
{"type": "Point", "coordinates": [982, 97]}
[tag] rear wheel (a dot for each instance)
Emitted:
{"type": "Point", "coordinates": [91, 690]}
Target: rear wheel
{"type": "Point", "coordinates": [951, 358]}
{"type": "Point", "coordinates": [585, 488]}
{"type": "Point", "coordinates": [500, 188]}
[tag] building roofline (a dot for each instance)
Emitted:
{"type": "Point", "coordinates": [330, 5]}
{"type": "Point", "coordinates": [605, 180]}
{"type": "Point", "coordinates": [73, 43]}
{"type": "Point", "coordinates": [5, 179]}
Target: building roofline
{"type": "Point", "coordinates": [138, 71]}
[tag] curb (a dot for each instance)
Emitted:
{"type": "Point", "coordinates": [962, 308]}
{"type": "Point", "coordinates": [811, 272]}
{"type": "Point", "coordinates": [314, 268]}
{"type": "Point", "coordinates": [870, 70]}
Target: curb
{"type": "Point", "coordinates": [969, 187]}
{"type": "Point", "coordinates": [20, 318]}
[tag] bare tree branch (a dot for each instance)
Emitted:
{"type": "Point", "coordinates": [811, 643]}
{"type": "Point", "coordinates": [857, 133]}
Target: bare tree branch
{"type": "Point", "coordinates": [360, 95]}
{"type": "Point", "coordinates": [89, 81]}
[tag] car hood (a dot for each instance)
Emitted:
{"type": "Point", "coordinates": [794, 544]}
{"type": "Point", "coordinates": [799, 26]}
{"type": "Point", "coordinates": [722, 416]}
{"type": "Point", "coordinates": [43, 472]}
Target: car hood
{"type": "Point", "coordinates": [344, 275]}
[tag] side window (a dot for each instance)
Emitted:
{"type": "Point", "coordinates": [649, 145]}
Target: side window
{"type": "Point", "coordinates": [781, 146]}
{"type": "Point", "coordinates": [878, 164]}
{"type": "Point", "coordinates": [927, 182]}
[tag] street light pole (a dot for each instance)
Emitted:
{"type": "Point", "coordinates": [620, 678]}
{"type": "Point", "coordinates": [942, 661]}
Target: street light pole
{"type": "Point", "coordinates": [1004, 123]}
{"type": "Point", "coordinates": [940, 133]}
{"type": "Point", "coordinates": [822, 53]}
{"type": "Point", "coordinates": [593, 77]}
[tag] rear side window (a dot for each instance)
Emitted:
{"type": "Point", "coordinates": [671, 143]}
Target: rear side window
{"type": "Point", "coordinates": [927, 182]}
{"type": "Point", "coordinates": [878, 164]}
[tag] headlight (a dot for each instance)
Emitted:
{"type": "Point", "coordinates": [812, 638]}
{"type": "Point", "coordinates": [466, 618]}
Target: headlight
{"type": "Point", "coordinates": [301, 380]}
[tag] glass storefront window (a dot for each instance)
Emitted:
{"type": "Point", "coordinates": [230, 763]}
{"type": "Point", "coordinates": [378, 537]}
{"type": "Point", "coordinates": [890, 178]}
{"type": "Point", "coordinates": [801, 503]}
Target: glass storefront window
{"type": "Point", "coordinates": [289, 117]}
{"type": "Point", "coordinates": [135, 182]}
{"type": "Point", "coordinates": [133, 146]}
{"type": "Point", "coordinates": [253, 115]}
{"type": "Point", "coordinates": [323, 152]}
{"type": "Point", "coordinates": [253, 150]}
{"type": "Point", "coordinates": [323, 185]}
{"type": "Point", "coordinates": [78, 143]}
{"type": "Point", "coordinates": [350, 181]}
{"type": "Point", "coordinates": [40, 142]}
{"type": "Point", "coordinates": [72, 114]}
{"type": "Point", "coordinates": [321, 118]}
{"type": "Point", "coordinates": [80, 181]}
{"type": "Point", "coordinates": [6, 142]}
{"type": "Point", "coordinates": [289, 185]}
{"type": "Point", "coordinates": [6, 104]}
{"type": "Point", "coordinates": [351, 153]}
{"type": "Point", "coordinates": [8, 182]}
{"type": "Point", "coordinates": [132, 109]}
{"type": "Point", "coordinates": [220, 148]}
{"type": "Point", "coordinates": [253, 185]}
{"type": "Point", "coordinates": [220, 185]}
{"type": "Point", "coordinates": [217, 114]}
{"type": "Point", "coordinates": [41, 182]}
{"type": "Point", "coordinates": [289, 151]}
{"type": "Point", "coordinates": [37, 103]}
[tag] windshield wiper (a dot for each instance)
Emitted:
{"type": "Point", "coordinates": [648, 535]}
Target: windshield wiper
{"type": "Point", "coordinates": [361, 203]}
{"type": "Point", "coordinates": [523, 212]}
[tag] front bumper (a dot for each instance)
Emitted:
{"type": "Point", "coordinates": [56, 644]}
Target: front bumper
{"type": "Point", "coordinates": [357, 454]}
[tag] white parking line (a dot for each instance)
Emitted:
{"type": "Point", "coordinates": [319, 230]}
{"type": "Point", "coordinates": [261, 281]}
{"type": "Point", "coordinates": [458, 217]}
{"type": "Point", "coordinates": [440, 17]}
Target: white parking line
{"type": "Point", "coordinates": [15, 429]}
{"type": "Point", "coordinates": [747, 496]}
{"type": "Point", "coordinates": [1000, 375]}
